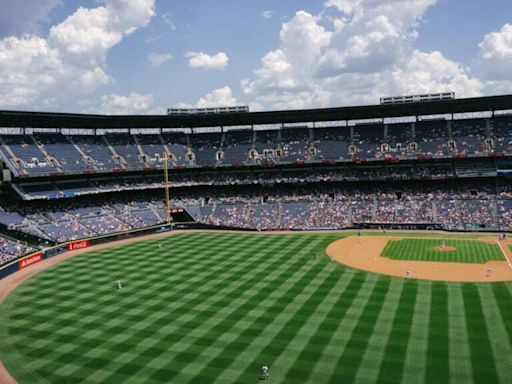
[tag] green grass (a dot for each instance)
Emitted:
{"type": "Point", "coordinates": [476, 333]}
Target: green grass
{"type": "Point", "coordinates": [422, 234]}
{"type": "Point", "coordinates": [467, 251]}
{"type": "Point", "coordinates": [212, 308]}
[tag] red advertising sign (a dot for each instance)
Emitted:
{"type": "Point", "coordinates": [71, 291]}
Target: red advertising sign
{"type": "Point", "coordinates": [78, 245]}
{"type": "Point", "coordinates": [29, 260]}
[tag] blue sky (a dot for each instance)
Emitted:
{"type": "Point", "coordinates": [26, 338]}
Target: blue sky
{"type": "Point", "coordinates": [142, 56]}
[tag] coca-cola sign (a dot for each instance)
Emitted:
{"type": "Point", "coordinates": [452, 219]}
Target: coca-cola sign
{"type": "Point", "coordinates": [78, 245]}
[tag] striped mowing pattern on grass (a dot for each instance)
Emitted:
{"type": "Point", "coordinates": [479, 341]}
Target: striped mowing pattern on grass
{"type": "Point", "coordinates": [467, 251]}
{"type": "Point", "coordinates": [212, 308]}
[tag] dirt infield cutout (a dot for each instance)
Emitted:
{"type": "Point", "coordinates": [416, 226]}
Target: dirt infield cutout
{"type": "Point", "coordinates": [446, 248]}
{"type": "Point", "coordinates": [364, 253]}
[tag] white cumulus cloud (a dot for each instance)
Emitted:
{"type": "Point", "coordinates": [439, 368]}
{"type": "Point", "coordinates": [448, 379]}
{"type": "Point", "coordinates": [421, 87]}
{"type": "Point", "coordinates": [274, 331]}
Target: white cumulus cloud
{"type": "Point", "coordinates": [132, 104]}
{"type": "Point", "coordinates": [432, 72]}
{"type": "Point", "coordinates": [157, 59]}
{"type": "Point", "coordinates": [496, 54]}
{"type": "Point", "coordinates": [220, 97]}
{"type": "Point", "coordinates": [353, 52]}
{"type": "Point", "coordinates": [71, 59]}
{"type": "Point", "coordinates": [204, 60]}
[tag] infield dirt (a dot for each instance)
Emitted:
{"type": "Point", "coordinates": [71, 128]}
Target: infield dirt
{"type": "Point", "coordinates": [364, 253]}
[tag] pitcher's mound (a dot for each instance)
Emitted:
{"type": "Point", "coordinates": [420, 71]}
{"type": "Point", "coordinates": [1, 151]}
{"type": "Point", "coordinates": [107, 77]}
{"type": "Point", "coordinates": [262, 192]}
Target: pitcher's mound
{"type": "Point", "coordinates": [446, 248]}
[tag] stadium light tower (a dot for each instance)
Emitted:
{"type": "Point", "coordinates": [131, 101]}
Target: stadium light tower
{"type": "Point", "coordinates": [168, 217]}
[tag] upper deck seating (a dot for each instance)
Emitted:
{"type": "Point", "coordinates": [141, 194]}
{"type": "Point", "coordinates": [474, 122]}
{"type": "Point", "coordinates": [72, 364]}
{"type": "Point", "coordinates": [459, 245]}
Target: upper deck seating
{"type": "Point", "coordinates": [124, 145]}
{"type": "Point", "coordinates": [59, 147]}
{"type": "Point", "coordinates": [34, 161]}
{"type": "Point", "coordinates": [432, 137]}
{"type": "Point", "coordinates": [176, 142]}
{"type": "Point", "coordinates": [331, 143]}
{"type": "Point", "coordinates": [97, 150]}
{"type": "Point", "coordinates": [237, 144]}
{"type": "Point", "coordinates": [205, 147]}
{"type": "Point", "coordinates": [294, 142]}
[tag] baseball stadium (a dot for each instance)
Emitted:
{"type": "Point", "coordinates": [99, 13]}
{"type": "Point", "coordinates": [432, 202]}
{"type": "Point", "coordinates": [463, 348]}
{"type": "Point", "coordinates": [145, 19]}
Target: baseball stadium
{"type": "Point", "coordinates": [366, 244]}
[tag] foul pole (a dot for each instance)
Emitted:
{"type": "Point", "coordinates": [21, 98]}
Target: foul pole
{"type": "Point", "coordinates": [167, 199]}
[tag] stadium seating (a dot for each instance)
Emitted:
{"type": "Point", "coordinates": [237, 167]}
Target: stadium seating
{"type": "Point", "coordinates": [50, 153]}
{"type": "Point", "coordinates": [11, 249]}
{"type": "Point", "coordinates": [294, 144]}
{"type": "Point", "coordinates": [299, 177]}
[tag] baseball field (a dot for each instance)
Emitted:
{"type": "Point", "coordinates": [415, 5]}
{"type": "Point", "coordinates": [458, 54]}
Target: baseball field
{"type": "Point", "coordinates": [214, 307]}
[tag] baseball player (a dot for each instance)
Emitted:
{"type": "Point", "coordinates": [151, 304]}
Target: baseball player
{"type": "Point", "coordinates": [408, 273]}
{"type": "Point", "coordinates": [119, 286]}
{"type": "Point", "coordinates": [488, 271]}
{"type": "Point", "coordinates": [264, 372]}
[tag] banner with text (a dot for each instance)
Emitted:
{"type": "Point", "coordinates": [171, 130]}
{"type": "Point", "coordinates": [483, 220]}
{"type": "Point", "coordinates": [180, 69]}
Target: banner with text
{"type": "Point", "coordinates": [79, 245]}
{"type": "Point", "coordinates": [29, 260]}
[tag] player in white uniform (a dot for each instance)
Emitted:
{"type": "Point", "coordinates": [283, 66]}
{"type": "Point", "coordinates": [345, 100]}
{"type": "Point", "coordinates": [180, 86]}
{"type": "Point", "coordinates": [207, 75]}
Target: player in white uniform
{"type": "Point", "coordinates": [407, 273]}
{"type": "Point", "coordinates": [119, 286]}
{"type": "Point", "coordinates": [264, 372]}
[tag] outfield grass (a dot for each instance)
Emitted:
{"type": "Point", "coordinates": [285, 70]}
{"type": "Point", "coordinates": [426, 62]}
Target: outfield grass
{"type": "Point", "coordinates": [212, 308]}
{"type": "Point", "coordinates": [467, 251]}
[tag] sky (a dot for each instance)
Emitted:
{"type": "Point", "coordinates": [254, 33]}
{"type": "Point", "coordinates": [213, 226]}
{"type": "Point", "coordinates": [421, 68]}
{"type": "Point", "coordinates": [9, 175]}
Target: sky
{"type": "Point", "coordinates": [143, 56]}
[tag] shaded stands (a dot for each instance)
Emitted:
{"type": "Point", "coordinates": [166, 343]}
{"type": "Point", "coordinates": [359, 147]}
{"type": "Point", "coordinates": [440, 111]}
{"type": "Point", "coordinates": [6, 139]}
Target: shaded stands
{"type": "Point", "coordinates": [205, 147]}
{"type": "Point", "coordinates": [331, 143]}
{"type": "Point", "coordinates": [294, 144]}
{"type": "Point", "coordinates": [26, 156]}
{"type": "Point", "coordinates": [469, 136]}
{"type": "Point", "coordinates": [176, 143]}
{"type": "Point", "coordinates": [69, 188]}
{"type": "Point", "coordinates": [265, 143]}
{"type": "Point", "coordinates": [67, 155]}
{"type": "Point", "coordinates": [399, 137]}
{"type": "Point", "coordinates": [502, 133]}
{"type": "Point", "coordinates": [97, 152]}
{"type": "Point", "coordinates": [152, 146]}
{"type": "Point", "coordinates": [51, 153]}
{"type": "Point", "coordinates": [128, 155]}
{"type": "Point", "coordinates": [399, 133]}
{"type": "Point", "coordinates": [432, 137]}
{"type": "Point", "coordinates": [236, 146]}
{"type": "Point", "coordinates": [367, 139]}
{"type": "Point", "coordinates": [10, 218]}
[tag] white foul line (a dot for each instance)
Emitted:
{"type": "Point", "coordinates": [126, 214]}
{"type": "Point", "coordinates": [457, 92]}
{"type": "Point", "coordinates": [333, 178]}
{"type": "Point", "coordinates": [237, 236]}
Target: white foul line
{"type": "Point", "coordinates": [504, 254]}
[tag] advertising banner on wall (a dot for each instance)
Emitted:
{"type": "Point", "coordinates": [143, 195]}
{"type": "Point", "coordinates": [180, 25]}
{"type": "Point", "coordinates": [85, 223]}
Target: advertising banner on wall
{"type": "Point", "coordinates": [79, 245]}
{"type": "Point", "coordinates": [29, 260]}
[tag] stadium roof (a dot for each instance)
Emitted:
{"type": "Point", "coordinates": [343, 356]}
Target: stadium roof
{"type": "Point", "coordinates": [68, 120]}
